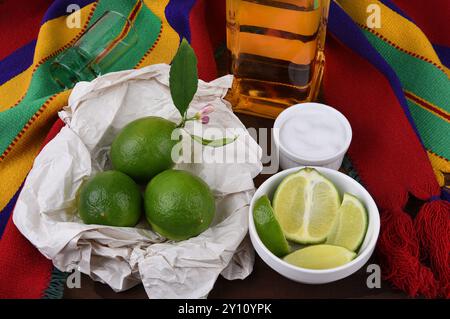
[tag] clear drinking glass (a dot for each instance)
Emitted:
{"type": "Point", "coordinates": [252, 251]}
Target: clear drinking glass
{"type": "Point", "coordinates": [105, 42]}
{"type": "Point", "coordinates": [276, 49]}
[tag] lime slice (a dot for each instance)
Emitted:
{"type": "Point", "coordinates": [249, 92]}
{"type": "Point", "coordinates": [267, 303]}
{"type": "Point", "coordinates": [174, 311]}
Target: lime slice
{"type": "Point", "coordinates": [350, 226]}
{"type": "Point", "coordinates": [320, 257]}
{"type": "Point", "coordinates": [305, 205]}
{"type": "Point", "coordinates": [268, 228]}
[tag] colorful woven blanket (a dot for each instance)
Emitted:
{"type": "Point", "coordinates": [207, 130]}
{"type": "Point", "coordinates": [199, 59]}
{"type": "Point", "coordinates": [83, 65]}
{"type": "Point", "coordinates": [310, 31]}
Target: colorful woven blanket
{"type": "Point", "coordinates": [29, 100]}
{"type": "Point", "coordinates": [392, 83]}
{"type": "Point", "coordinates": [390, 80]}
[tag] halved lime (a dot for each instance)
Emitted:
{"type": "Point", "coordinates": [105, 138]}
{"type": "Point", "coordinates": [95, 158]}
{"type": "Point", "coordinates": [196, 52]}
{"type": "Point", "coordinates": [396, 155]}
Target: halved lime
{"type": "Point", "coordinates": [320, 257]}
{"type": "Point", "coordinates": [305, 204]}
{"type": "Point", "coordinates": [350, 226]}
{"type": "Point", "coordinates": [268, 228]}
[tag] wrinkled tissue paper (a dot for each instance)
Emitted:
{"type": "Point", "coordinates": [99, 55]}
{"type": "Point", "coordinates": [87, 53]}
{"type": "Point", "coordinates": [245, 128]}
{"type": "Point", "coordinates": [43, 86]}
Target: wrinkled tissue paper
{"type": "Point", "coordinates": [122, 257]}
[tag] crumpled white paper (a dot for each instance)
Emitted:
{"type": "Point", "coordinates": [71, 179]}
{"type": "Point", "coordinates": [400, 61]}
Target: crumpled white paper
{"type": "Point", "coordinates": [122, 257]}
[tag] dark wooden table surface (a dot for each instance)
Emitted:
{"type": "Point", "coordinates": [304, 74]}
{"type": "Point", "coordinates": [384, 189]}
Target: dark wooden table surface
{"type": "Point", "coordinates": [263, 282]}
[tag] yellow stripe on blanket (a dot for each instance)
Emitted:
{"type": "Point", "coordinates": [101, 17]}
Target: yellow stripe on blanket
{"type": "Point", "coordinates": [59, 36]}
{"type": "Point", "coordinates": [20, 160]}
{"type": "Point", "coordinates": [13, 90]}
{"type": "Point", "coordinates": [441, 166]}
{"type": "Point", "coordinates": [395, 29]}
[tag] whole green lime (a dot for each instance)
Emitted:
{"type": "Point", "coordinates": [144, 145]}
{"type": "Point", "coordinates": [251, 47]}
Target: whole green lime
{"type": "Point", "coordinates": [178, 205]}
{"type": "Point", "coordinates": [110, 198]}
{"type": "Point", "coordinates": [144, 148]}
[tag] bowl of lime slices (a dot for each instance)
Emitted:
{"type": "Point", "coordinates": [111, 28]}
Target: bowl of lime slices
{"type": "Point", "coordinates": [313, 225]}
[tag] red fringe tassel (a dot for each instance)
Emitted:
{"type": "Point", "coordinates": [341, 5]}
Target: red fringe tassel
{"type": "Point", "coordinates": [398, 249]}
{"type": "Point", "coordinates": [432, 226]}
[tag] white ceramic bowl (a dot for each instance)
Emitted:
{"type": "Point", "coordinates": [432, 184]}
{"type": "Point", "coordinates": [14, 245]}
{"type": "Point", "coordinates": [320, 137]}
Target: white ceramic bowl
{"type": "Point", "coordinates": [343, 183]}
{"type": "Point", "coordinates": [289, 159]}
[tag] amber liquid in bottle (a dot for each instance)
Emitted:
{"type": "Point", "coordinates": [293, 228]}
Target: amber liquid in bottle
{"type": "Point", "coordinates": [276, 49]}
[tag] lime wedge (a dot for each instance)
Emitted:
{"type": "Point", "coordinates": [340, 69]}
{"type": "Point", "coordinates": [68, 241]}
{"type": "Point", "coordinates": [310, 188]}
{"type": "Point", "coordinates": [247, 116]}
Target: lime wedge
{"type": "Point", "coordinates": [320, 257]}
{"type": "Point", "coordinates": [350, 226]}
{"type": "Point", "coordinates": [268, 228]}
{"type": "Point", "coordinates": [305, 205]}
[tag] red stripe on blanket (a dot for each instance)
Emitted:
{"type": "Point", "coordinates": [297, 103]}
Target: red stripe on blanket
{"type": "Point", "coordinates": [427, 105]}
{"type": "Point", "coordinates": [19, 23]}
{"type": "Point", "coordinates": [21, 263]}
{"type": "Point", "coordinates": [25, 273]}
{"type": "Point", "coordinates": [201, 42]}
{"type": "Point", "coordinates": [364, 95]}
{"type": "Point", "coordinates": [431, 16]}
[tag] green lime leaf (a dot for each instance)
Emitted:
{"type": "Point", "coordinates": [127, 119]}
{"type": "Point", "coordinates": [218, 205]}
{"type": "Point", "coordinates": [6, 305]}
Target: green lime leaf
{"type": "Point", "coordinates": [214, 143]}
{"type": "Point", "coordinates": [183, 77]}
